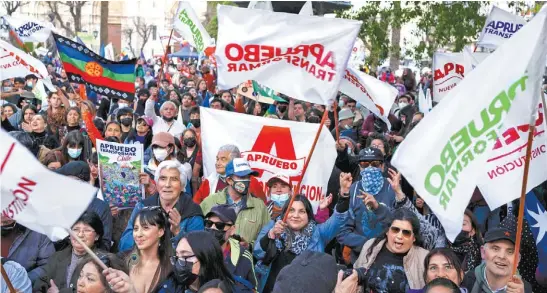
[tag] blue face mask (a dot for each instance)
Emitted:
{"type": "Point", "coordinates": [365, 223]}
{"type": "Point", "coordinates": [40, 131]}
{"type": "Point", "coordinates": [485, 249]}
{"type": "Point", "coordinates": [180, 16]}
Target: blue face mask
{"type": "Point", "coordinates": [280, 199]}
{"type": "Point", "coordinates": [372, 180]}
{"type": "Point", "coordinates": [74, 153]}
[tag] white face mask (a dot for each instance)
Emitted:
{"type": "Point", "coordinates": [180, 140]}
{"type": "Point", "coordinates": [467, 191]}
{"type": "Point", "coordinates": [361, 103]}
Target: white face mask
{"type": "Point", "coordinates": [29, 83]}
{"type": "Point", "coordinates": [122, 105]}
{"type": "Point", "coordinates": [402, 105]}
{"type": "Point", "coordinates": [280, 199]}
{"type": "Point", "coordinates": [347, 126]}
{"type": "Point", "coordinates": [160, 154]}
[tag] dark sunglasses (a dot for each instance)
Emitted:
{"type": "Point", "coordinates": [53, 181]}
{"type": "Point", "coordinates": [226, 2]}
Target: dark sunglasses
{"type": "Point", "coordinates": [396, 230]}
{"type": "Point", "coordinates": [219, 225]}
{"type": "Point", "coordinates": [375, 164]}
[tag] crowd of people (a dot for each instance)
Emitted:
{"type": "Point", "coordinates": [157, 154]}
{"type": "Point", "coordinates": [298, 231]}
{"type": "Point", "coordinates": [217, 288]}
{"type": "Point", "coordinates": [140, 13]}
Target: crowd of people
{"type": "Point", "coordinates": [226, 232]}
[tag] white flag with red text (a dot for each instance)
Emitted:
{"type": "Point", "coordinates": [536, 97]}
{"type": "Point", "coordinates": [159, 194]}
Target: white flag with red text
{"type": "Point", "coordinates": [271, 146]}
{"type": "Point", "coordinates": [303, 57]}
{"type": "Point", "coordinates": [36, 197]}
{"type": "Point", "coordinates": [500, 26]}
{"type": "Point", "coordinates": [448, 71]}
{"type": "Point", "coordinates": [376, 95]}
{"type": "Point", "coordinates": [445, 155]}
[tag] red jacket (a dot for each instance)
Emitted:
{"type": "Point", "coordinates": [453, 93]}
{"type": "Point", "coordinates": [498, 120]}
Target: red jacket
{"type": "Point", "coordinates": [204, 190]}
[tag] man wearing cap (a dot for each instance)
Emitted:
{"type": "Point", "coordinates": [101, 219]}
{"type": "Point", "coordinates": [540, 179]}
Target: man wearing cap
{"type": "Point", "coordinates": [216, 181]}
{"type": "Point", "coordinates": [371, 199]}
{"type": "Point", "coordinates": [251, 211]}
{"type": "Point", "coordinates": [345, 121]}
{"type": "Point", "coordinates": [494, 274]}
{"type": "Point", "coordinates": [220, 222]}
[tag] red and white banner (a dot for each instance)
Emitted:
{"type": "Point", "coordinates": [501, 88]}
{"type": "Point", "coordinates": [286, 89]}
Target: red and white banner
{"type": "Point", "coordinates": [303, 57]}
{"type": "Point", "coordinates": [448, 71]}
{"type": "Point", "coordinates": [31, 195]}
{"type": "Point", "coordinates": [271, 146]}
{"type": "Point", "coordinates": [376, 95]}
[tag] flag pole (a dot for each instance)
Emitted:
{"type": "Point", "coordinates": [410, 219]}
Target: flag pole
{"type": "Point", "coordinates": [335, 107]}
{"type": "Point", "coordinates": [88, 250]}
{"type": "Point", "coordinates": [307, 162]}
{"type": "Point", "coordinates": [8, 282]}
{"type": "Point", "coordinates": [160, 74]}
{"type": "Point", "coordinates": [531, 130]}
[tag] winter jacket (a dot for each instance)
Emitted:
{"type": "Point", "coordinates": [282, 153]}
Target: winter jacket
{"type": "Point", "coordinates": [191, 219]}
{"type": "Point", "coordinates": [209, 185]}
{"type": "Point", "coordinates": [413, 262]}
{"type": "Point", "coordinates": [475, 282]}
{"type": "Point", "coordinates": [31, 250]}
{"type": "Point", "coordinates": [56, 270]}
{"type": "Point", "coordinates": [250, 219]}
{"type": "Point", "coordinates": [240, 264]}
{"type": "Point", "coordinates": [102, 209]}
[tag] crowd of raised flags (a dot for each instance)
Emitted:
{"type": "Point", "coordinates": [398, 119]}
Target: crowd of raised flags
{"type": "Point", "coordinates": [282, 94]}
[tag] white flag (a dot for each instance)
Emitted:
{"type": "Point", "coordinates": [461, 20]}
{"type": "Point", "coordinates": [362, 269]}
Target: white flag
{"type": "Point", "coordinates": [500, 26]}
{"type": "Point", "coordinates": [357, 57]}
{"type": "Point", "coordinates": [187, 24]}
{"type": "Point", "coordinates": [36, 197]}
{"type": "Point", "coordinates": [301, 56]}
{"type": "Point", "coordinates": [448, 71]}
{"type": "Point", "coordinates": [423, 102]}
{"type": "Point", "coordinates": [16, 63]}
{"type": "Point", "coordinates": [264, 5]}
{"type": "Point", "coordinates": [271, 146]}
{"type": "Point", "coordinates": [376, 95]}
{"type": "Point", "coordinates": [444, 157]}
{"type": "Point", "coordinates": [472, 59]}
{"type": "Point", "coordinates": [307, 9]}
{"type": "Point", "coordinates": [30, 30]}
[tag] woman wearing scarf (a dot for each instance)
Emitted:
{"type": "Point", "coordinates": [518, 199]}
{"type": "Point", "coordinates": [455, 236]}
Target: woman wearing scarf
{"type": "Point", "coordinates": [280, 242]}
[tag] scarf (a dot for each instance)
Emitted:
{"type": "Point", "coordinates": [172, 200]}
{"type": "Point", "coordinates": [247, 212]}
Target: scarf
{"type": "Point", "coordinates": [295, 242]}
{"type": "Point", "coordinates": [372, 180]}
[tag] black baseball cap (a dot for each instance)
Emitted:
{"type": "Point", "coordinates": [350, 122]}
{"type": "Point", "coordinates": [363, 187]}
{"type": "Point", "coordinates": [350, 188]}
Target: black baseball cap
{"type": "Point", "coordinates": [370, 154]}
{"type": "Point", "coordinates": [225, 212]}
{"type": "Point", "coordinates": [499, 234]}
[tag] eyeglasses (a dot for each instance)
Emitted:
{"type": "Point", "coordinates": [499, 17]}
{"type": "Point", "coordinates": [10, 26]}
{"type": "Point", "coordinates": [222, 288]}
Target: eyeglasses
{"type": "Point", "coordinates": [375, 164]}
{"type": "Point", "coordinates": [396, 230]}
{"type": "Point", "coordinates": [86, 232]}
{"type": "Point", "coordinates": [219, 225]}
{"type": "Point", "coordinates": [182, 260]}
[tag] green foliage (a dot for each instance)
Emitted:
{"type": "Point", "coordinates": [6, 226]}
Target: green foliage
{"type": "Point", "coordinates": [212, 26]}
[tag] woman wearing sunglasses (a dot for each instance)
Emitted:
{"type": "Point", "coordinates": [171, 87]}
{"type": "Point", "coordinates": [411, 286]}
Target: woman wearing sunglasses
{"type": "Point", "coordinates": [149, 263]}
{"type": "Point", "coordinates": [393, 262]}
{"type": "Point", "coordinates": [198, 260]}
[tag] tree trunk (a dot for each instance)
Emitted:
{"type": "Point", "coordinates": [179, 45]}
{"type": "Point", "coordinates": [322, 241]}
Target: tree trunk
{"type": "Point", "coordinates": [78, 17]}
{"type": "Point", "coordinates": [394, 56]}
{"type": "Point", "coordinates": [104, 23]}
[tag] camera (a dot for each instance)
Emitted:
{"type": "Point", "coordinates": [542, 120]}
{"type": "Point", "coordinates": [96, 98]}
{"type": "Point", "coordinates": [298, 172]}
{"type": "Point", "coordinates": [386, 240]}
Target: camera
{"type": "Point", "coordinates": [361, 275]}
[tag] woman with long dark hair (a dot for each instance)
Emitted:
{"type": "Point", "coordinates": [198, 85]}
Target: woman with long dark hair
{"type": "Point", "coordinates": [27, 113]}
{"type": "Point", "coordinates": [279, 243]}
{"type": "Point", "coordinates": [467, 244]}
{"type": "Point", "coordinates": [75, 147]}
{"type": "Point", "coordinates": [142, 133]}
{"type": "Point", "coordinates": [393, 261]}
{"type": "Point", "coordinates": [73, 119]}
{"type": "Point", "coordinates": [198, 260]}
{"type": "Point", "coordinates": [149, 263]}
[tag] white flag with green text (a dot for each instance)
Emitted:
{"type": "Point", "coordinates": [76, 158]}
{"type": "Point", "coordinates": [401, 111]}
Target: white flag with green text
{"type": "Point", "coordinates": [187, 24]}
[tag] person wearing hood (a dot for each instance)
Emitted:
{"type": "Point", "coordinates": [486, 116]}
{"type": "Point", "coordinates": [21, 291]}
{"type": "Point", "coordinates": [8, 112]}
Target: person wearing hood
{"type": "Point", "coordinates": [30, 249]}
{"type": "Point", "coordinates": [125, 117]}
{"type": "Point", "coordinates": [166, 122]}
{"type": "Point", "coordinates": [494, 274]}
{"type": "Point", "coordinates": [220, 222]}
{"type": "Point", "coordinates": [216, 181]}
{"type": "Point", "coordinates": [80, 170]}
{"type": "Point", "coordinates": [251, 212]}
{"type": "Point", "coordinates": [184, 215]}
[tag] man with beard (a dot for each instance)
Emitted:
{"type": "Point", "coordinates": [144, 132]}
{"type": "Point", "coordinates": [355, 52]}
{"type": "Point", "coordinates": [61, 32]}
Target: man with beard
{"type": "Point", "coordinates": [28, 248]}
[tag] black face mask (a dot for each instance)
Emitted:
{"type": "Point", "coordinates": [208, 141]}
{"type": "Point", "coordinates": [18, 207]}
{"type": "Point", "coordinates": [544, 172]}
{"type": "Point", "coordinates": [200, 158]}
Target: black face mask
{"type": "Point", "coordinates": [168, 119]}
{"type": "Point", "coordinates": [195, 122]}
{"type": "Point", "coordinates": [190, 142]}
{"type": "Point", "coordinates": [282, 108]}
{"type": "Point", "coordinates": [462, 238]}
{"type": "Point", "coordinates": [8, 229]}
{"type": "Point", "coordinates": [219, 235]}
{"type": "Point", "coordinates": [183, 273]}
{"type": "Point", "coordinates": [126, 121]}
{"type": "Point", "coordinates": [241, 186]}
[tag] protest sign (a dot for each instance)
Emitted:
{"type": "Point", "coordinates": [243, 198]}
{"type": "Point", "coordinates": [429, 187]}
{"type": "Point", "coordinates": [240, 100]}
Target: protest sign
{"type": "Point", "coordinates": [448, 71]}
{"type": "Point", "coordinates": [303, 57]}
{"type": "Point", "coordinates": [376, 95]}
{"type": "Point", "coordinates": [500, 26]}
{"type": "Point", "coordinates": [187, 24]}
{"type": "Point", "coordinates": [444, 162]}
{"type": "Point", "coordinates": [271, 146]}
{"type": "Point", "coordinates": [16, 63]}
{"type": "Point", "coordinates": [36, 197]}
{"type": "Point", "coordinates": [30, 30]}
{"type": "Point", "coordinates": [252, 90]}
{"type": "Point", "coordinates": [119, 169]}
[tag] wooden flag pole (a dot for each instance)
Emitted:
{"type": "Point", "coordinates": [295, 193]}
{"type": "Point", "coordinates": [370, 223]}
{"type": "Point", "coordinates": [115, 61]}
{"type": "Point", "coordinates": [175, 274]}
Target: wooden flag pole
{"type": "Point", "coordinates": [532, 127]}
{"type": "Point", "coordinates": [306, 163]}
{"type": "Point", "coordinates": [8, 282]}
{"type": "Point", "coordinates": [160, 73]}
{"type": "Point", "coordinates": [88, 250]}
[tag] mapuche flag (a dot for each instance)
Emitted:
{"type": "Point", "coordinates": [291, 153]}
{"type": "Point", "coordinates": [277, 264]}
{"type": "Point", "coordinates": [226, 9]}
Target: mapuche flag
{"type": "Point", "coordinates": [109, 78]}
